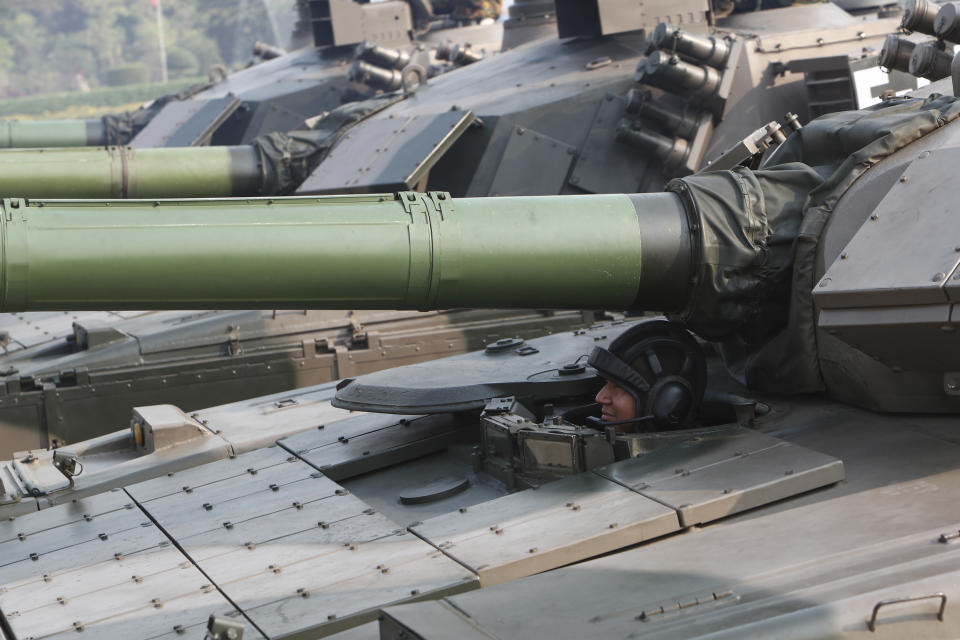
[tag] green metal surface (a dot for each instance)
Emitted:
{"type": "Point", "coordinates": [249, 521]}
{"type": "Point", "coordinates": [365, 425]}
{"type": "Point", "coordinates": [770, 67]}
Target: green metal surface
{"type": "Point", "coordinates": [47, 133]}
{"type": "Point", "coordinates": [124, 172]}
{"type": "Point", "coordinates": [415, 251]}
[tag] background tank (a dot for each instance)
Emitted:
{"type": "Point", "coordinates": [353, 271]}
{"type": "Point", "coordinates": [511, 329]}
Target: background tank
{"type": "Point", "coordinates": [612, 105]}
{"type": "Point", "coordinates": [278, 94]}
{"type": "Point", "coordinates": [783, 506]}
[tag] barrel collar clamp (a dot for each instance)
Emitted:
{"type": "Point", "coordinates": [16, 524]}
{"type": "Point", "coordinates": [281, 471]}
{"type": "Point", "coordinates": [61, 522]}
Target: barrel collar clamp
{"type": "Point", "coordinates": [439, 201]}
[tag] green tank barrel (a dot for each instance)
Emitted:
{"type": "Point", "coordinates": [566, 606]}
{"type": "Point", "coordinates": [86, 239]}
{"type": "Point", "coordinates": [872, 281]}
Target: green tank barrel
{"type": "Point", "coordinates": [124, 172]}
{"type": "Point", "coordinates": [25, 134]}
{"type": "Point", "coordinates": [411, 251]}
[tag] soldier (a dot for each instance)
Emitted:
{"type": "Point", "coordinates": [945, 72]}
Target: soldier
{"type": "Point", "coordinates": [641, 397]}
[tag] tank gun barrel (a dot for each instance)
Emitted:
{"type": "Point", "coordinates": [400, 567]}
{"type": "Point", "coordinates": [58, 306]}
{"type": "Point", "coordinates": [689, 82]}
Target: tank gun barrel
{"type": "Point", "coordinates": [25, 134]}
{"type": "Point", "coordinates": [411, 251]}
{"type": "Point", "coordinates": [125, 172]}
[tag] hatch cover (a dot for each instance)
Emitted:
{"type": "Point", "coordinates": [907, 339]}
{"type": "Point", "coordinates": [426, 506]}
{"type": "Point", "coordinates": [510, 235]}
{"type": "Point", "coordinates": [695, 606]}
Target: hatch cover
{"type": "Point", "coordinates": [469, 381]}
{"type": "Point", "coordinates": [388, 153]}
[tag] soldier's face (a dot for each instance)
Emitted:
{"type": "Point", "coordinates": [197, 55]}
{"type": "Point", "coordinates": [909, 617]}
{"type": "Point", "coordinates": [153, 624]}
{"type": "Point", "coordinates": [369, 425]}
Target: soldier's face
{"type": "Point", "coordinates": [616, 404]}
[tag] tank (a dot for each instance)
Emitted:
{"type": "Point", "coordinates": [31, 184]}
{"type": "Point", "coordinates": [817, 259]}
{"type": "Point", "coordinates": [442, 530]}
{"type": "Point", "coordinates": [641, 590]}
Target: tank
{"type": "Point", "coordinates": [625, 128]}
{"type": "Point", "coordinates": [607, 105]}
{"type": "Point", "coordinates": [147, 355]}
{"type": "Point", "coordinates": [791, 469]}
{"type": "Point", "coordinates": [279, 93]}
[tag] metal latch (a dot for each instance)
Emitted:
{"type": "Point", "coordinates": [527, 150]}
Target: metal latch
{"type": "Point", "coordinates": [66, 462]}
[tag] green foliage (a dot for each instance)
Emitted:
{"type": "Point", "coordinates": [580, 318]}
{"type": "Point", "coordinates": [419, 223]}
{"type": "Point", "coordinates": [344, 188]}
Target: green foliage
{"type": "Point", "coordinates": [48, 104]}
{"type": "Point", "coordinates": [51, 46]}
{"type": "Point", "coordinates": [127, 74]}
{"type": "Point", "coordinates": [180, 59]}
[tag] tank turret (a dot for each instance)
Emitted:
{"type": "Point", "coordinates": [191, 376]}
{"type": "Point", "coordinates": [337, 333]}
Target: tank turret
{"type": "Point", "coordinates": [724, 252]}
{"type": "Point", "coordinates": [578, 116]}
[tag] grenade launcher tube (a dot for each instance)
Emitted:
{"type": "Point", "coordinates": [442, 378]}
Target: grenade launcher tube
{"type": "Point", "coordinates": [409, 251]}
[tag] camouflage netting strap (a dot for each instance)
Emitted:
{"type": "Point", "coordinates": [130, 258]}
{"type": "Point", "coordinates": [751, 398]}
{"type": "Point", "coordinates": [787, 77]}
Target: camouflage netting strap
{"type": "Point", "coordinates": [286, 159]}
{"type": "Point", "coordinates": [120, 128]}
{"type": "Point", "coordinates": [761, 230]}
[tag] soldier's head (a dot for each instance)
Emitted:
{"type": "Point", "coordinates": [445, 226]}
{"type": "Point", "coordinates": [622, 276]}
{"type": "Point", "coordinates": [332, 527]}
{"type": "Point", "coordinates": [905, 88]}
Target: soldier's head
{"type": "Point", "coordinates": [655, 373]}
{"type": "Point", "coordinates": [616, 405]}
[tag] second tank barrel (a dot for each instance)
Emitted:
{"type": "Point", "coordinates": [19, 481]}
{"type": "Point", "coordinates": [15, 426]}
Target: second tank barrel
{"type": "Point", "coordinates": [125, 172]}
{"type": "Point", "coordinates": [24, 134]}
{"type": "Point", "coordinates": [413, 251]}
